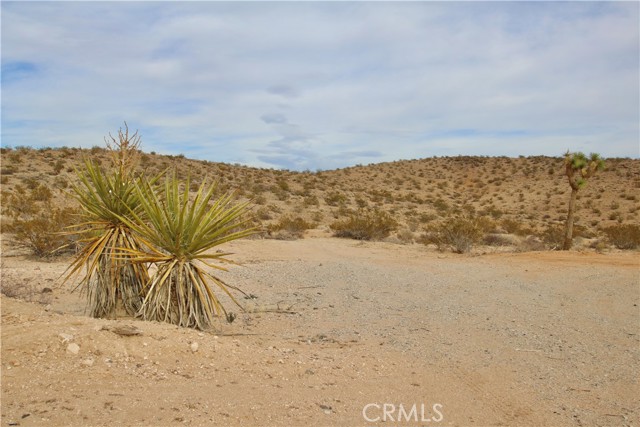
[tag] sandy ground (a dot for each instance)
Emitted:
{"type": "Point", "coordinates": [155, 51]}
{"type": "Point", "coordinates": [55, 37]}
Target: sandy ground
{"type": "Point", "coordinates": [342, 333]}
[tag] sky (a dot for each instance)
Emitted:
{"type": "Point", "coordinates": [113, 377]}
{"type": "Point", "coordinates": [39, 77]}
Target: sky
{"type": "Point", "coordinates": [324, 85]}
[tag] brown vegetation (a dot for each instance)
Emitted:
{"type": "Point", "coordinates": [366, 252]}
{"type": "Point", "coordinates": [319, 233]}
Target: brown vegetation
{"type": "Point", "coordinates": [526, 196]}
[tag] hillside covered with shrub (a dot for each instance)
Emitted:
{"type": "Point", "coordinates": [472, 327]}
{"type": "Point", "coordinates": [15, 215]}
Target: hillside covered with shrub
{"type": "Point", "coordinates": [451, 202]}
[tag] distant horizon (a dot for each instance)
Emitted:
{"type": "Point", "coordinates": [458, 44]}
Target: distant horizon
{"type": "Point", "coordinates": [236, 164]}
{"type": "Point", "coordinates": [325, 85]}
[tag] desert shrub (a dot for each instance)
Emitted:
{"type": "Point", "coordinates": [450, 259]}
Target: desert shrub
{"type": "Point", "coordinates": [43, 231]}
{"type": "Point", "coordinates": [18, 204]}
{"type": "Point", "coordinates": [531, 244]}
{"type": "Point", "coordinates": [458, 233]}
{"type": "Point", "coordinates": [405, 236]}
{"type": "Point", "coordinates": [263, 214]}
{"type": "Point", "coordinates": [361, 202]}
{"type": "Point", "coordinates": [31, 182]}
{"type": "Point", "coordinates": [335, 199]}
{"type": "Point", "coordinates": [280, 193]}
{"type": "Point", "coordinates": [495, 239]}
{"type": "Point", "coordinates": [15, 157]}
{"type": "Point", "coordinates": [514, 227]}
{"type": "Point", "coordinates": [58, 166]}
{"type": "Point", "coordinates": [259, 199]}
{"type": "Point", "coordinates": [553, 236]}
{"type": "Point", "coordinates": [441, 205]}
{"type": "Point", "coordinates": [60, 182]}
{"type": "Point", "coordinates": [365, 224]}
{"type": "Point", "coordinates": [624, 236]}
{"type": "Point", "coordinates": [427, 217]}
{"type": "Point", "coordinates": [311, 200]}
{"type": "Point", "coordinates": [41, 193]}
{"type": "Point", "coordinates": [289, 228]}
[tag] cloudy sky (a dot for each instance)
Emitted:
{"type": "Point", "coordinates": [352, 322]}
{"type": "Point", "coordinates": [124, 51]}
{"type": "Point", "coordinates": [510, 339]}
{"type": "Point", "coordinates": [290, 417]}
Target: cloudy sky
{"type": "Point", "coordinates": [322, 85]}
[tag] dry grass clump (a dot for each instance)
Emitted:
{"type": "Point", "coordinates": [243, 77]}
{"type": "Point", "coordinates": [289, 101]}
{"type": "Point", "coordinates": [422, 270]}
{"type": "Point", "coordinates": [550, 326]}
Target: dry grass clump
{"type": "Point", "coordinates": [289, 227]}
{"type": "Point", "coordinates": [365, 224]}
{"type": "Point", "coordinates": [41, 232]}
{"type": "Point", "coordinates": [553, 236]}
{"type": "Point", "coordinates": [457, 233]}
{"type": "Point", "coordinates": [36, 224]}
{"type": "Point", "coordinates": [624, 236]}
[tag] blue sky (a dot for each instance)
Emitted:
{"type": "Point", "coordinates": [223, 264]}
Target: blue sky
{"type": "Point", "coordinates": [323, 85]}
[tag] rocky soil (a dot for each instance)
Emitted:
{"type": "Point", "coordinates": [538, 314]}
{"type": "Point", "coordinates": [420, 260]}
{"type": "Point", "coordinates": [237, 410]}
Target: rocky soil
{"type": "Point", "coordinates": [338, 332]}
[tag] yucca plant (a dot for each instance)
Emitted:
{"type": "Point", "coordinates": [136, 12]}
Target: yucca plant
{"type": "Point", "coordinates": [178, 234]}
{"type": "Point", "coordinates": [105, 198]}
{"type": "Point", "coordinates": [110, 278]}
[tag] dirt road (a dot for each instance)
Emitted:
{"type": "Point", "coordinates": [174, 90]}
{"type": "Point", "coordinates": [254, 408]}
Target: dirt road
{"type": "Point", "coordinates": [343, 333]}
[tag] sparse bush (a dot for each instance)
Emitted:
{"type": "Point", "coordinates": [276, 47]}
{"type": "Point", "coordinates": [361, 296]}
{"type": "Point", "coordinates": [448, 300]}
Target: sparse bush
{"type": "Point", "coordinates": [364, 224]}
{"type": "Point", "coordinates": [41, 193]}
{"type": "Point", "coordinates": [60, 182]}
{"type": "Point", "coordinates": [441, 205]}
{"type": "Point", "coordinates": [624, 236]}
{"type": "Point", "coordinates": [514, 227]}
{"type": "Point", "coordinates": [311, 200]}
{"type": "Point", "coordinates": [532, 243]}
{"type": "Point", "coordinates": [494, 239]}
{"type": "Point", "coordinates": [458, 233]}
{"type": "Point", "coordinates": [335, 199]}
{"type": "Point", "coordinates": [263, 214]}
{"type": "Point", "coordinates": [553, 236]}
{"type": "Point", "coordinates": [58, 166]}
{"type": "Point", "coordinates": [42, 231]}
{"type": "Point", "coordinates": [15, 157]}
{"type": "Point", "coordinates": [289, 228]}
{"type": "Point", "coordinates": [405, 236]}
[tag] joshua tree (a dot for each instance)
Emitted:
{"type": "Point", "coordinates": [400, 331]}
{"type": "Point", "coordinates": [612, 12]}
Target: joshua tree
{"type": "Point", "coordinates": [578, 168]}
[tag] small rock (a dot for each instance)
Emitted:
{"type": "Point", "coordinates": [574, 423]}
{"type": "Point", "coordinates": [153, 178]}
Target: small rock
{"type": "Point", "coordinates": [73, 348]}
{"type": "Point", "coordinates": [326, 409]}
{"type": "Point", "coordinates": [47, 290]}
{"type": "Point", "coordinates": [194, 346]}
{"type": "Point", "coordinates": [123, 330]}
{"type": "Point", "coordinates": [65, 337]}
{"type": "Point", "coordinates": [88, 362]}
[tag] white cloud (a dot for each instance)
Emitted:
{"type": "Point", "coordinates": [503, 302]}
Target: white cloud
{"type": "Point", "coordinates": [322, 85]}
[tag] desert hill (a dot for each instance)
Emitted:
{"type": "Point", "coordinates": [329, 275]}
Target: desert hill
{"type": "Point", "coordinates": [522, 196]}
{"type": "Point", "coordinates": [331, 327]}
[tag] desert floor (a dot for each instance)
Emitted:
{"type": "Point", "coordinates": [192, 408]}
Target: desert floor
{"type": "Point", "coordinates": [342, 333]}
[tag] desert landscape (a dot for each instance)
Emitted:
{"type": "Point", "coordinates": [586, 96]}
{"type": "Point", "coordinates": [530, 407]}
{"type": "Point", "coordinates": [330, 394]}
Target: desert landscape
{"type": "Point", "coordinates": [392, 331]}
